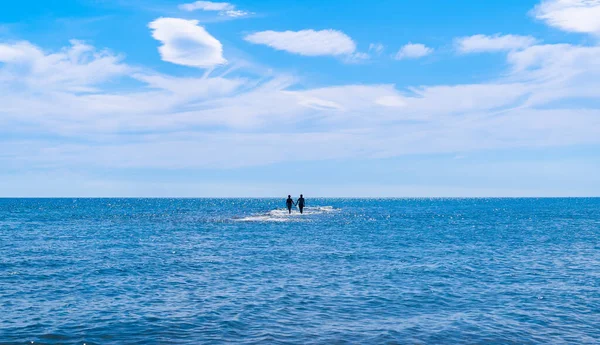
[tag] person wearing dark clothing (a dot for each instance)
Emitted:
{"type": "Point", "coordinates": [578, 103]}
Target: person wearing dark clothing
{"type": "Point", "coordinates": [289, 203]}
{"type": "Point", "coordinates": [300, 203]}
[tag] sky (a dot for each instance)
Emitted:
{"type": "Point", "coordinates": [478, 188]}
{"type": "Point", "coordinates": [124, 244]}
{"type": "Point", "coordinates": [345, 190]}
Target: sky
{"type": "Point", "coordinates": [393, 98]}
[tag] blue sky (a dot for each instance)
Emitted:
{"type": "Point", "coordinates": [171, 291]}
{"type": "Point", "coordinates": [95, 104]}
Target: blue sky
{"type": "Point", "coordinates": [326, 98]}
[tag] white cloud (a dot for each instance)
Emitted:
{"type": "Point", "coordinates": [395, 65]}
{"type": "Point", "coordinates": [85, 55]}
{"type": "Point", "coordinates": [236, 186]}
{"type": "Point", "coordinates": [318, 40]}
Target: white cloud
{"type": "Point", "coordinates": [495, 43]}
{"type": "Point", "coordinates": [76, 68]}
{"type": "Point", "coordinates": [391, 101]}
{"type": "Point", "coordinates": [21, 51]}
{"type": "Point", "coordinates": [559, 72]}
{"type": "Point", "coordinates": [227, 121]}
{"type": "Point", "coordinates": [561, 61]}
{"type": "Point", "coordinates": [306, 42]}
{"type": "Point", "coordinates": [413, 51]}
{"type": "Point", "coordinates": [187, 43]}
{"type": "Point", "coordinates": [570, 15]}
{"type": "Point", "coordinates": [235, 13]}
{"type": "Point", "coordinates": [207, 6]}
{"type": "Point", "coordinates": [224, 8]}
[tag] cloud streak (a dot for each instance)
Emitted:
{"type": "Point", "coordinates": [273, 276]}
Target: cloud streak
{"type": "Point", "coordinates": [495, 43]}
{"type": "Point", "coordinates": [413, 51]}
{"type": "Point", "coordinates": [223, 8]}
{"type": "Point", "coordinates": [306, 42]}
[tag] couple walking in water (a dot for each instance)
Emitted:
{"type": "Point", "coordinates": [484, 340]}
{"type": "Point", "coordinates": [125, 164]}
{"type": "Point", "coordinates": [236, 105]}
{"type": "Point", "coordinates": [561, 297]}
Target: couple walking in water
{"type": "Point", "coordinates": [290, 202]}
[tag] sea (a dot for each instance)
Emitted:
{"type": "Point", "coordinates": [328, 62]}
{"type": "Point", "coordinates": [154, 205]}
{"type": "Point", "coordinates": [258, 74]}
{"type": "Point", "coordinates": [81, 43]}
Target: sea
{"type": "Point", "coordinates": [347, 271]}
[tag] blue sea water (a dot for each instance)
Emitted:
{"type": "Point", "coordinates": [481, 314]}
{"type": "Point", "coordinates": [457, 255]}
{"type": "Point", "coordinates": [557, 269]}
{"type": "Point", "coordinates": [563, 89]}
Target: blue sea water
{"type": "Point", "coordinates": [348, 271]}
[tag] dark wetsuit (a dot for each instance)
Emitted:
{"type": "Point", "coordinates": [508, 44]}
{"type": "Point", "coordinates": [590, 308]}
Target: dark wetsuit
{"type": "Point", "coordinates": [300, 204]}
{"type": "Point", "coordinates": [289, 203]}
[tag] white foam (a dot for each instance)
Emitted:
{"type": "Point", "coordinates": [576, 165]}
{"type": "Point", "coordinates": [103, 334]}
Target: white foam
{"type": "Point", "coordinates": [282, 214]}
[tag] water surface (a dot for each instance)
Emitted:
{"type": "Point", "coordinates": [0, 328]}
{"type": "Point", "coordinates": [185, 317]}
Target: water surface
{"type": "Point", "coordinates": [349, 271]}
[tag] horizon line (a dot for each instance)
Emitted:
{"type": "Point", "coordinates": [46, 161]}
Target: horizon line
{"type": "Point", "coordinates": [310, 197]}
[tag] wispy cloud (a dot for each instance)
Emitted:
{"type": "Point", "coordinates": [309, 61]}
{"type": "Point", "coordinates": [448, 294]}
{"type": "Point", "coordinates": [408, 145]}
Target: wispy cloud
{"type": "Point", "coordinates": [171, 122]}
{"type": "Point", "coordinates": [376, 48]}
{"type": "Point", "coordinates": [187, 43]}
{"type": "Point", "coordinates": [78, 68]}
{"type": "Point", "coordinates": [495, 43]}
{"type": "Point", "coordinates": [232, 120]}
{"type": "Point", "coordinates": [570, 15]}
{"type": "Point", "coordinates": [223, 8]}
{"type": "Point", "coordinates": [413, 51]}
{"type": "Point", "coordinates": [306, 42]}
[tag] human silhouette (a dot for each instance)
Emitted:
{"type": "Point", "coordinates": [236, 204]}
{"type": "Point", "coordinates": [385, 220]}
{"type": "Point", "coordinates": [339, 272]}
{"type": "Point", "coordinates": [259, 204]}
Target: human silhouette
{"type": "Point", "coordinates": [289, 203]}
{"type": "Point", "coordinates": [300, 203]}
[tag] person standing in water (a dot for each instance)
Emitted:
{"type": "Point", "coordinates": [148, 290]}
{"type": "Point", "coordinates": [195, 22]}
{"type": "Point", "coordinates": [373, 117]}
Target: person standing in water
{"type": "Point", "coordinates": [300, 203]}
{"type": "Point", "coordinates": [289, 203]}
